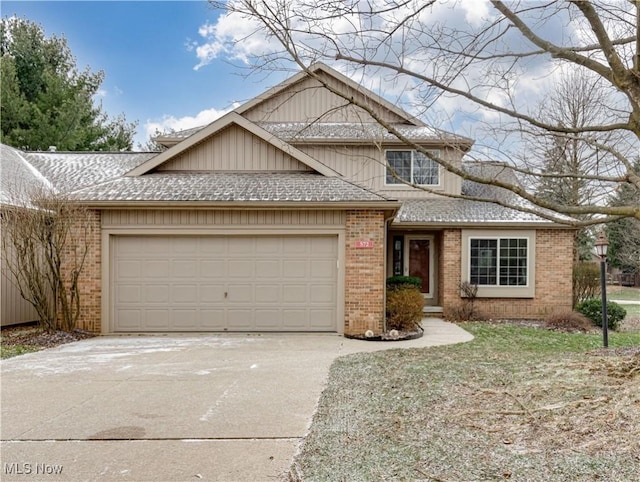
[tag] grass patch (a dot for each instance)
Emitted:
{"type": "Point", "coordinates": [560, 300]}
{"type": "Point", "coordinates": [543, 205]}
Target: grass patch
{"type": "Point", "coordinates": [15, 350]}
{"type": "Point", "coordinates": [623, 293]}
{"type": "Point", "coordinates": [516, 403]}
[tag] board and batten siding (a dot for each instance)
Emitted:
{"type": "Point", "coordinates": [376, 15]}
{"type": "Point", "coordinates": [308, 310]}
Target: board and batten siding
{"type": "Point", "coordinates": [365, 165]}
{"type": "Point", "coordinates": [13, 307]}
{"type": "Point", "coordinates": [220, 218]}
{"type": "Point", "coordinates": [309, 101]}
{"type": "Point", "coordinates": [234, 149]}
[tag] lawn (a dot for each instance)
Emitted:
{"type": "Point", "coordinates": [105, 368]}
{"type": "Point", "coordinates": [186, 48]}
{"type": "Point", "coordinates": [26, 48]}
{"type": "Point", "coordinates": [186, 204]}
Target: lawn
{"type": "Point", "coordinates": [623, 293]}
{"type": "Point", "coordinates": [516, 403]}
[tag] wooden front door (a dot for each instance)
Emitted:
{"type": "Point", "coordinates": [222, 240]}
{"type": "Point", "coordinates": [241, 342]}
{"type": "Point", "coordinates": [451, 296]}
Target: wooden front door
{"type": "Point", "coordinates": [419, 261]}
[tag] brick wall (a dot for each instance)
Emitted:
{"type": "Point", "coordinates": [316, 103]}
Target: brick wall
{"type": "Point", "coordinates": [364, 272]}
{"type": "Point", "coordinates": [554, 264]}
{"type": "Point", "coordinates": [90, 283]}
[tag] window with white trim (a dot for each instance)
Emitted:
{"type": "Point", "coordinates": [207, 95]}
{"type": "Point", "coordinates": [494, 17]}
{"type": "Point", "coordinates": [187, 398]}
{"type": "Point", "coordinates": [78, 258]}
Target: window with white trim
{"type": "Point", "coordinates": [412, 167]}
{"type": "Point", "coordinates": [498, 261]}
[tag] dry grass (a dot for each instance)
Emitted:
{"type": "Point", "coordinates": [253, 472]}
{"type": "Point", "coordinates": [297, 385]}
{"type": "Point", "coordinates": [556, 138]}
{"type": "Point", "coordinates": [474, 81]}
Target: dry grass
{"type": "Point", "coordinates": [21, 339]}
{"type": "Point", "coordinates": [517, 403]}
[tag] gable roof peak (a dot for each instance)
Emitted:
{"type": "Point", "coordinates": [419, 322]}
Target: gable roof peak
{"type": "Point", "coordinates": [312, 71]}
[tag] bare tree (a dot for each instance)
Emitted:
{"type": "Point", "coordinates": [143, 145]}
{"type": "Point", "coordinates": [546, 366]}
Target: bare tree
{"type": "Point", "coordinates": [489, 64]}
{"type": "Point", "coordinates": [44, 246]}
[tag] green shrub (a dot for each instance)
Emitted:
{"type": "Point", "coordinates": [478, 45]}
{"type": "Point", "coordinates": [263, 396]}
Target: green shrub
{"type": "Point", "coordinates": [401, 281]}
{"type": "Point", "coordinates": [586, 282]}
{"type": "Point", "coordinates": [568, 321]}
{"type": "Point", "coordinates": [592, 309]}
{"type": "Point", "coordinates": [404, 308]}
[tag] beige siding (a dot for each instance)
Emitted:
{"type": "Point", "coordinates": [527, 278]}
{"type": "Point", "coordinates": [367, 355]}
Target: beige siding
{"type": "Point", "coordinates": [309, 101]}
{"type": "Point", "coordinates": [234, 149]}
{"type": "Point", "coordinates": [365, 165]}
{"type": "Point", "coordinates": [14, 308]}
{"type": "Point", "coordinates": [200, 218]}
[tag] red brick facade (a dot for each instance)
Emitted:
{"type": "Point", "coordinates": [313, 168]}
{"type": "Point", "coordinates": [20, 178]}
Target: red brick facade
{"type": "Point", "coordinates": [553, 284]}
{"type": "Point", "coordinates": [364, 272]}
{"type": "Point", "coordinates": [91, 276]}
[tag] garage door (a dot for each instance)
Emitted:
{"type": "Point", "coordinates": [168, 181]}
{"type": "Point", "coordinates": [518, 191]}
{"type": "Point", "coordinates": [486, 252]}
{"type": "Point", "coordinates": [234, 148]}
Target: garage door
{"type": "Point", "coordinates": [234, 283]}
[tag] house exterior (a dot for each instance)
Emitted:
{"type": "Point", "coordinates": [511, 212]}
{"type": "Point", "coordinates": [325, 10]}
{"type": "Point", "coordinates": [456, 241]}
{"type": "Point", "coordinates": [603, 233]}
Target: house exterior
{"type": "Point", "coordinates": [15, 173]}
{"type": "Point", "coordinates": [282, 216]}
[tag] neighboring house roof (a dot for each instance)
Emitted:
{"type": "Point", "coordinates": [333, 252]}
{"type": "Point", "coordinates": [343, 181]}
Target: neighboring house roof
{"type": "Point", "coordinates": [18, 178]}
{"type": "Point", "coordinates": [343, 131]}
{"type": "Point", "coordinates": [466, 211]}
{"type": "Point", "coordinates": [74, 170]}
{"type": "Point", "coordinates": [184, 186]}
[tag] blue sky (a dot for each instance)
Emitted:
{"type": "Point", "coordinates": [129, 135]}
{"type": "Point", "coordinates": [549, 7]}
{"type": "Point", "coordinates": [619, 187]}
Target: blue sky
{"type": "Point", "coordinates": [144, 50]}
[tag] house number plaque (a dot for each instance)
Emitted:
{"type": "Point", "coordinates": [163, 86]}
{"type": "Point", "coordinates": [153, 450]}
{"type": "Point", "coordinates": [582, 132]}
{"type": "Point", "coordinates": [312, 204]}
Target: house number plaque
{"type": "Point", "coordinates": [364, 244]}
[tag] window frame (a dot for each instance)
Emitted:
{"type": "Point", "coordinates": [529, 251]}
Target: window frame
{"type": "Point", "coordinates": [500, 290]}
{"type": "Point", "coordinates": [499, 260]}
{"type": "Point", "coordinates": [435, 152]}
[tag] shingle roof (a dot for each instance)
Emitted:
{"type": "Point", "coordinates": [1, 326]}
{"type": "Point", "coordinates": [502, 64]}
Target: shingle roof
{"type": "Point", "coordinates": [228, 187]}
{"type": "Point", "coordinates": [462, 211]}
{"type": "Point", "coordinates": [74, 170]}
{"type": "Point", "coordinates": [344, 131]}
{"type": "Point", "coordinates": [18, 178]}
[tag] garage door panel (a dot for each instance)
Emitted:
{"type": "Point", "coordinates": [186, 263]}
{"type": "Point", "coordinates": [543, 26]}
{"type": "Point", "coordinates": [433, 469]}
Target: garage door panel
{"type": "Point", "coordinates": [268, 269]}
{"type": "Point", "coordinates": [294, 294]}
{"type": "Point", "coordinates": [211, 293]}
{"type": "Point", "coordinates": [157, 319]}
{"type": "Point", "coordinates": [296, 268]}
{"type": "Point", "coordinates": [267, 319]}
{"type": "Point", "coordinates": [267, 293]}
{"type": "Point", "coordinates": [213, 268]}
{"type": "Point", "coordinates": [129, 319]}
{"type": "Point", "coordinates": [127, 293]}
{"type": "Point", "coordinates": [184, 268]}
{"type": "Point", "coordinates": [320, 319]}
{"type": "Point", "coordinates": [239, 293]}
{"type": "Point", "coordinates": [128, 269]}
{"type": "Point", "coordinates": [224, 283]}
{"type": "Point", "coordinates": [157, 293]}
{"type": "Point", "coordinates": [241, 268]}
{"type": "Point", "coordinates": [322, 293]}
{"type": "Point", "coordinates": [181, 293]}
{"type": "Point", "coordinates": [323, 268]}
{"type": "Point", "coordinates": [240, 318]}
{"type": "Point", "coordinates": [156, 268]}
{"type": "Point", "coordinates": [212, 319]}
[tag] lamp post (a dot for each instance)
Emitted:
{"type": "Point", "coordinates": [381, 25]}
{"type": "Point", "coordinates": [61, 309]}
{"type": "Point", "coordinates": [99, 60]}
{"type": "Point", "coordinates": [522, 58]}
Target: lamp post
{"type": "Point", "coordinates": [601, 250]}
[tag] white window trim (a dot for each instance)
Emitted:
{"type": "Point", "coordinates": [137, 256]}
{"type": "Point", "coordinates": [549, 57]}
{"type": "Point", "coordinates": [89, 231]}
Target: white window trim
{"type": "Point", "coordinates": [435, 152]}
{"type": "Point", "coordinates": [501, 291]}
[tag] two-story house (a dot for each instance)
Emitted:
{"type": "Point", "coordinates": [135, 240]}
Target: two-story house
{"type": "Point", "coordinates": [282, 216]}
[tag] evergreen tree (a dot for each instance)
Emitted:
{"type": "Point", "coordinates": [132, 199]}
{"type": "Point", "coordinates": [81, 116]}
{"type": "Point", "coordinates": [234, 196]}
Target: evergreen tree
{"type": "Point", "coordinates": [46, 101]}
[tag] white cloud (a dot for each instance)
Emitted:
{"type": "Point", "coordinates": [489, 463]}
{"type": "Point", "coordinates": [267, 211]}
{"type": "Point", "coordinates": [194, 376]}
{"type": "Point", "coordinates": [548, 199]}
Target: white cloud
{"type": "Point", "coordinates": [170, 123]}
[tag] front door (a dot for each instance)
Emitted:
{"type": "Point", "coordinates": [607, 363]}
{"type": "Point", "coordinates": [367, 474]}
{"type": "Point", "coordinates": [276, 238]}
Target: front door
{"type": "Point", "coordinates": [419, 261]}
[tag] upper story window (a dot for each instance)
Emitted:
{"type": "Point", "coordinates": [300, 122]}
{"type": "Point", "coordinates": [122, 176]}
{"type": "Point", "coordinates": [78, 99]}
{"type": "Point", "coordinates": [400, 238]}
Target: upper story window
{"type": "Point", "coordinates": [412, 167]}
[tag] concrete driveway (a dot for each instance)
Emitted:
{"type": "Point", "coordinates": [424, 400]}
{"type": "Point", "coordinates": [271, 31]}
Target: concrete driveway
{"type": "Point", "coordinates": [210, 407]}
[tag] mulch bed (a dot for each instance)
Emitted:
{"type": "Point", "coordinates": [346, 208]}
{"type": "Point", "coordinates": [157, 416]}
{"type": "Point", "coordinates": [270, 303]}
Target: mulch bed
{"type": "Point", "coordinates": [33, 336]}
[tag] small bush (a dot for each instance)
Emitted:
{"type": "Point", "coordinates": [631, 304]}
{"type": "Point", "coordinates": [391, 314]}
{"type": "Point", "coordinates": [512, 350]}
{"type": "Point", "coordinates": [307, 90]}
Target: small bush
{"type": "Point", "coordinates": [586, 282]}
{"type": "Point", "coordinates": [569, 321]}
{"type": "Point", "coordinates": [592, 309]}
{"type": "Point", "coordinates": [404, 308]}
{"type": "Point", "coordinates": [401, 281]}
{"type": "Point", "coordinates": [465, 312]}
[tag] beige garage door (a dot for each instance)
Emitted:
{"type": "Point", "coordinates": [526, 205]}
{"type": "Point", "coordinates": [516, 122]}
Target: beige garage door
{"type": "Point", "coordinates": [234, 283]}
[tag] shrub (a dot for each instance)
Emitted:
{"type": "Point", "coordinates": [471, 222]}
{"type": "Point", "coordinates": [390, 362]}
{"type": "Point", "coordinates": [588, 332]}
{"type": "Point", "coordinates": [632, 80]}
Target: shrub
{"type": "Point", "coordinates": [592, 309]}
{"type": "Point", "coordinates": [466, 311]}
{"type": "Point", "coordinates": [586, 282]}
{"type": "Point", "coordinates": [404, 308]}
{"type": "Point", "coordinates": [569, 321]}
{"type": "Point", "coordinates": [401, 281]}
